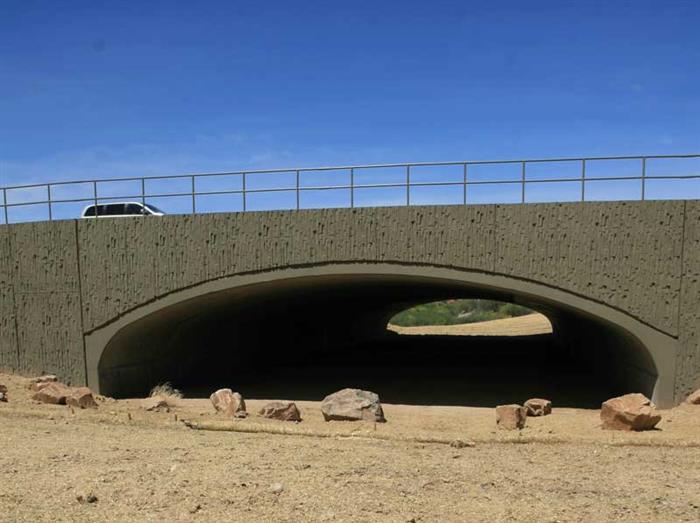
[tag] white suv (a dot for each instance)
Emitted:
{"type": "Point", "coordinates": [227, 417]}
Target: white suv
{"type": "Point", "coordinates": [121, 210]}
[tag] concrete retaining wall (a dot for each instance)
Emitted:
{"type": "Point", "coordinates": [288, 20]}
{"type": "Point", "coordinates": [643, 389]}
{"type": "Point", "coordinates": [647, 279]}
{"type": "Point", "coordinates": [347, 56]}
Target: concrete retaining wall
{"type": "Point", "coordinates": [62, 280]}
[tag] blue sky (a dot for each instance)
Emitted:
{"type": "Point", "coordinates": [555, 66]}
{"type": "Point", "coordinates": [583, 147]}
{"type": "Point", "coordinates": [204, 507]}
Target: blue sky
{"type": "Point", "coordinates": [106, 89]}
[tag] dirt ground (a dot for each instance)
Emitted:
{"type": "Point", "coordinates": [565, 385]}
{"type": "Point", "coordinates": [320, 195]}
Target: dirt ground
{"type": "Point", "coordinates": [148, 466]}
{"type": "Point", "coordinates": [519, 326]}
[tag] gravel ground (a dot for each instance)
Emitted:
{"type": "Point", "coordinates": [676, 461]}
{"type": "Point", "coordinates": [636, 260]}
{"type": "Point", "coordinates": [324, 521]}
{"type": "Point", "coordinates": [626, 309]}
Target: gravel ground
{"type": "Point", "coordinates": [143, 466]}
{"type": "Point", "coordinates": [519, 326]}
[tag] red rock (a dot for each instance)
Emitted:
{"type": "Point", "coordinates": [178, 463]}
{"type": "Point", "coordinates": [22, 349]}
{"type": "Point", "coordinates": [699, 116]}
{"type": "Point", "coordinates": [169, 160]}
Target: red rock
{"type": "Point", "coordinates": [281, 410]}
{"type": "Point", "coordinates": [352, 405]}
{"type": "Point", "coordinates": [629, 412]}
{"type": "Point", "coordinates": [54, 393]}
{"type": "Point", "coordinates": [230, 403]}
{"type": "Point", "coordinates": [694, 398]}
{"type": "Point", "coordinates": [510, 417]}
{"type": "Point", "coordinates": [40, 382]}
{"type": "Point", "coordinates": [155, 404]}
{"type": "Point", "coordinates": [81, 397]}
{"type": "Point", "coordinates": [538, 407]}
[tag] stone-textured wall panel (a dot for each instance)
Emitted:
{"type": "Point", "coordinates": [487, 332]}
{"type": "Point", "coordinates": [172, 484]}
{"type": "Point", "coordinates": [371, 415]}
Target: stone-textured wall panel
{"type": "Point", "coordinates": [8, 333]}
{"type": "Point", "coordinates": [45, 256]}
{"type": "Point", "coordinates": [117, 262]}
{"type": "Point", "coordinates": [625, 254]}
{"type": "Point", "coordinates": [50, 335]}
{"type": "Point", "coordinates": [688, 365]}
{"type": "Point", "coordinates": [6, 256]}
{"type": "Point", "coordinates": [456, 236]}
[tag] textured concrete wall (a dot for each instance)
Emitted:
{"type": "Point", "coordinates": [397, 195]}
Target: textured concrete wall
{"type": "Point", "coordinates": [42, 301]}
{"type": "Point", "coordinates": [688, 364]}
{"type": "Point", "coordinates": [60, 280]}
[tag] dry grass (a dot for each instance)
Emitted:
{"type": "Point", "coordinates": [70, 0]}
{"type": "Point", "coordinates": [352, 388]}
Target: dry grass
{"type": "Point", "coordinates": [166, 392]}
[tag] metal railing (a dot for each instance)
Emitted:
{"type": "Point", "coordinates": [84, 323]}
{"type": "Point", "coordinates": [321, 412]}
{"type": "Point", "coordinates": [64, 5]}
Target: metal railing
{"type": "Point", "coordinates": [464, 180]}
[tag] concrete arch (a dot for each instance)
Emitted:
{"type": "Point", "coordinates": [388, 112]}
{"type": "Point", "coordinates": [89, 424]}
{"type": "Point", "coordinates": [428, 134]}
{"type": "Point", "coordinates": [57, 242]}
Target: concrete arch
{"type": "Point", "coordinates": [642, 355]}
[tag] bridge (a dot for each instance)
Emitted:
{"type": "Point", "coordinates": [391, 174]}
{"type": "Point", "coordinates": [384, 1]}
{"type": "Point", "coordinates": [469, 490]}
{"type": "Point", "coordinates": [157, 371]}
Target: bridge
{"type": "Point", "coordinates": [123, 304]}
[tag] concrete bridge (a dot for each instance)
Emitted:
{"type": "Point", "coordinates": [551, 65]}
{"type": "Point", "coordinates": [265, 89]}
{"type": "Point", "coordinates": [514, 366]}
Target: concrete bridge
{"type": "Point", "coordinates": [121, 304]}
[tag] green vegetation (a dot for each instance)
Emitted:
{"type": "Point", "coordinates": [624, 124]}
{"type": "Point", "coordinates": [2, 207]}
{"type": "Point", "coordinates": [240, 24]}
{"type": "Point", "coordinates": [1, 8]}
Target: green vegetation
{"type": "Point", "coordinates": [453, 312]}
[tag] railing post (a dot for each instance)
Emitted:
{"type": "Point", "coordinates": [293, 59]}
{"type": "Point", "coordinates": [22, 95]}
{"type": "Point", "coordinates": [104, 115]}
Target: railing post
{"type": "Point", "coordinates": [94, 195]}
{"type": "Point", "coordinates": [464, 181]}
{"type": "Point", "coordinates": [298, 190]}
{"type": "Point", "coordinates": [243, 186]}
{"type": "Point", "coordinates": [644, 178]}
{"type": "Point", "coordinates": [4, 205]}
{"type": "Point", "coordinates": [352, 187]}
{"type": "Point", "coordinates": [143, 196]}
{"type": "Point", "coordinates": [408, 185]}
{"type": "Point", "coordinates": [583, 180]}
{"type": "Point", "coordinates": [48, 194]}
{"type": "Point", "coordinates": [194, 199]}
{"type": "Point", "coordinates": [522, 192]}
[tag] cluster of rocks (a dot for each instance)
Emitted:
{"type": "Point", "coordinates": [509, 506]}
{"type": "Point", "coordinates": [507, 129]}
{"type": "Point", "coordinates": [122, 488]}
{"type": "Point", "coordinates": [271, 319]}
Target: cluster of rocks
{"type": "Point", "coordinates": [634, 412]}
{"type": "Point", "coordinates": [344, 405]}
{"type": "Point", "coordinates": [47, 389]}
{"type": "Point", "coordinates": [513, 417]}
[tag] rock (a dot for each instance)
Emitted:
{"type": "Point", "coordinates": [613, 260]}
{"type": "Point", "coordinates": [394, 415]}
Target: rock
{"type": "Point", "coordinates": [629, 412]}
{"type": "Point", "coordinates": [510, 417]}
{"type": "Point", "coordinates": [54, 393]}
{"type": "Point", "coordinates": [3, 393]}
{"type": "Point", "coordinates": [40, 382]}
{"type": "Point", "coordinates": [694, 398]}
{"type": "Point", "coordinates": [352, 405]}
{"type": "Point", "coordinates": [281, 410]}
{"type": "Point", "coordinates": [538, 407]}
{"type": "Point", "coordinates": [155, 404]}
{"type": "Point", "coordinates": [230, 403]}
{"type": "Point", "coordinates": [81, 397]}
{"type": "Point", "coordinates": [88, 498]}
{"type": "Point", "coordinates": [276, 488]}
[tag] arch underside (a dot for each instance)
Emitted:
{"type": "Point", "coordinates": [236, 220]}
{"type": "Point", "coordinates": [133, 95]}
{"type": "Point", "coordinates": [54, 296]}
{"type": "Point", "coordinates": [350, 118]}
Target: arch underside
{"type": "Point", "coordinates": [301, 332]}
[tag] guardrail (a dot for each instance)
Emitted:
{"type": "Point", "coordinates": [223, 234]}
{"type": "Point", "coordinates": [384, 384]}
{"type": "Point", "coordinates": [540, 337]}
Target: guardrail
{"type": "Point", "coordinates": [463, 182]}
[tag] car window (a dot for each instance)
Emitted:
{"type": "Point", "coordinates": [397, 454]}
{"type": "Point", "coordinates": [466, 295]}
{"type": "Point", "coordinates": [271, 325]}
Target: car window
{"type": "Point", "coordinates": [115, 209]}
{"type": "Point", "coordinates": [90, 211]}
{"type": "Point", "coordinates": [134, 208]}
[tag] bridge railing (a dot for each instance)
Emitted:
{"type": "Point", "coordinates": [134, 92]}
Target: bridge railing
{"type": "Point", "coordinates": [449, 183]}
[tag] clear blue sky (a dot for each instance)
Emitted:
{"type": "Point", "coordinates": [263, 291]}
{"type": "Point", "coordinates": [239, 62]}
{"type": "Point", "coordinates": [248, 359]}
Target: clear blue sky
{"type": "Point", "coordinates": [101, 89]}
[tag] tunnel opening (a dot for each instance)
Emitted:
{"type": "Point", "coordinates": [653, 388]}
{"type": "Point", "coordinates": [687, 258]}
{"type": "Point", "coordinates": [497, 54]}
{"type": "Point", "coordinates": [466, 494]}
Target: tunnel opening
{"type": "Point", "coordinates": [304, 337]}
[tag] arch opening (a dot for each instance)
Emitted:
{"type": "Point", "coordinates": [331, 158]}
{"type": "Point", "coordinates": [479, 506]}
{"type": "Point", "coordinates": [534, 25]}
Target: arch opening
{"type": "Point", "coordinates": [301, 334]}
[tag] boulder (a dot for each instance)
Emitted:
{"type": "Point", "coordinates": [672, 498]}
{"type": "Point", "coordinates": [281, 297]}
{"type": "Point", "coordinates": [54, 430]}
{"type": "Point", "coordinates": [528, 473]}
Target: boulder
{"type": "Point", "coordinates": [694, 398]}
{"type": "Point", "coordinates": [155, 404]}
{"type": "Point", "coordinates": [352, 405]}
{"type": "Point", "coordinates": [54, 393]}
{"type": "Point", "coordinates": [40, 382]}
{"type": "Point", "coordinates": [82, 398]}
{"type": "Point", "coordinates": [538, 407]}
{"type": "Point", "coordinates": [510, 417]}
{"type": "Point", "coordinates": [281, 410]}
{"type": "Point", "coordinates": [230, 403]}
{"type": "Point", "coordinates": [629, 412]}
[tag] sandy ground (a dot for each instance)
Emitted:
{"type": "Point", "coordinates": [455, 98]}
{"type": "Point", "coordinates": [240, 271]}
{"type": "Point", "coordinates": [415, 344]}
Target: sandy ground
{"type": "Point", "coordinates": [520, 326]}
{"type": "Point", "coordinates": [145, 466]}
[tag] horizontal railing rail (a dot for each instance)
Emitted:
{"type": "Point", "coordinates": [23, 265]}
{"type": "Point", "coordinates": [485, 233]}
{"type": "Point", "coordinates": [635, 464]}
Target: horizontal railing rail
{"type": "Point", "coordinates": [25, 196]}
